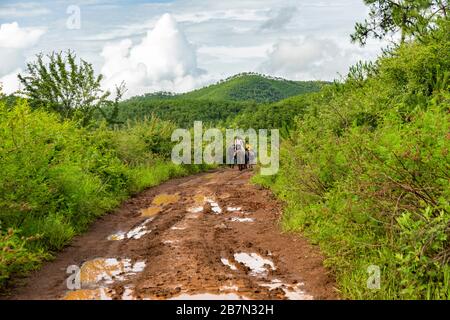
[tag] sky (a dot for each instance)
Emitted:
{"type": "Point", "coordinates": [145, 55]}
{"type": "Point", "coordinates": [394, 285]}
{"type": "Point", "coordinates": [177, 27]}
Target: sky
{"type": "Point", "coordinates": [175, 45]}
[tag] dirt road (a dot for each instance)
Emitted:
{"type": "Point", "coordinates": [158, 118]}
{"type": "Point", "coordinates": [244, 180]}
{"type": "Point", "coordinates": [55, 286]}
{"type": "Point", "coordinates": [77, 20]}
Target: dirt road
{"type": "Point", "coordinates": [209, 236]}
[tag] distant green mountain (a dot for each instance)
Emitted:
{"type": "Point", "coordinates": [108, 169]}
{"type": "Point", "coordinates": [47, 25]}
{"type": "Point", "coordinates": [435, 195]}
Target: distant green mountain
{"type": "Point", "coordinates": [249, 94]}
{"type": "Point", "coordinates": [253, 87]}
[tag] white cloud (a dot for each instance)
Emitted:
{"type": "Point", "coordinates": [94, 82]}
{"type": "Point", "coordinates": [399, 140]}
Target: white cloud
{"type": "Point", "coordinates": [163, 60]}
{"type": "Point", "coordinates": [309, 58]}
{"type": "Point", "coordinates": [10, 59]}
{"type": "Point", "coordinates": [14, 40]}
{"type": "Point", "coordinates": [229, 14]}
{"type": "Point", "coordinates": [280, 20]}
{"type": "Point", "coordinates": [229, 53]}
{"type": "Point", "coordinates": [13, 36]}
{"type": "Point", "coordinates": [20, 10]}
{"type": "Point", "coordinates": [10, 82]}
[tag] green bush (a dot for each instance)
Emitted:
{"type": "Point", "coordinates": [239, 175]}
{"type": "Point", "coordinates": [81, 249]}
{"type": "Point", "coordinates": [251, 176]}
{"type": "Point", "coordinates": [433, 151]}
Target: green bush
{"type": "Point", "coordinates": [15, 258]}
{"type": "Point", "coordinates": [365, 174]}
{"type": "Point", "coordinates": [57, 178]}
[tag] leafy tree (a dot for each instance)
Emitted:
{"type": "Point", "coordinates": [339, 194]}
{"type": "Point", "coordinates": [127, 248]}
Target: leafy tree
{"type": "Point", "coordinates": [58, 83]}
{"type": "Point", "coordinates": [409, 17]}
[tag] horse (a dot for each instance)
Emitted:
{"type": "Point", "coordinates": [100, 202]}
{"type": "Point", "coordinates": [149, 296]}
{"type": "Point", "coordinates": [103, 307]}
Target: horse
{"type": "Point", "coordinates": [231, 159]}
{"type": "Point", "coordinates": [251, 158]}
{"type": "Point", "coordinates": [240, 159]}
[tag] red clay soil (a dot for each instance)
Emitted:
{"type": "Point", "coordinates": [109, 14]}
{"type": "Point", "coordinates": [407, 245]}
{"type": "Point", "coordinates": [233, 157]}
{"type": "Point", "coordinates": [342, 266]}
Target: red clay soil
{"type": "Point", "coordinates": [209, 236]}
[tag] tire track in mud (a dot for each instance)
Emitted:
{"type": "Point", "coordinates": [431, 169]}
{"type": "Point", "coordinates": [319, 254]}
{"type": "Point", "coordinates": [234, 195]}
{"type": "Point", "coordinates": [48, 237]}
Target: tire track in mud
{"type": "Point", "coordinates": [209, 236]}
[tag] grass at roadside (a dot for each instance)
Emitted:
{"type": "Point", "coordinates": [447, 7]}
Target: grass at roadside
{"type": "Point", "coordinates": [57, 178]}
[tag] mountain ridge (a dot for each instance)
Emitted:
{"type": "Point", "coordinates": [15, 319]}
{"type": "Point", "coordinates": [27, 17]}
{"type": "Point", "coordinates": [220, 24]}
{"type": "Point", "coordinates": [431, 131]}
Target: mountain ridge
{"type": "Point", "coordinates": [247, 86]}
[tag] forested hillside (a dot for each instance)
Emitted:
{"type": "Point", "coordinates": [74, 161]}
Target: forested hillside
{"type": "Point", "coordinates": [248, 95]}
{"type": "Point", "coordinates": [254, 87]}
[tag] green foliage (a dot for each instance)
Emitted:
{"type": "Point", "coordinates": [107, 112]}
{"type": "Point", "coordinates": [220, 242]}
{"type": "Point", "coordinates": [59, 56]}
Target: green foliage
{"type": "Point", "coordinates": [277, 115]}
{"type": "Point", "coordinates": [365, 173]}
{"type": "Point", "coordinates": [181, 111]}
{"type": "Point", "coordinates": [61, 85]}
{"type": "Point", "coordinates": [58, 177]}
{"type": "Point", "coordinates": [412, 18]}
{"type": "Point", "coordinates": [245, 100]}
{"type": "Point", "coordinates": [15, 257]}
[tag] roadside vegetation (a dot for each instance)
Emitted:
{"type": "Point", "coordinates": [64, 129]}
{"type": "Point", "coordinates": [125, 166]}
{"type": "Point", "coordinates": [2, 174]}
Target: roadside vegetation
{"type": "Point", "coordinates": [61, 169]}
{"type": "Point", "coordinates": [365, 173]}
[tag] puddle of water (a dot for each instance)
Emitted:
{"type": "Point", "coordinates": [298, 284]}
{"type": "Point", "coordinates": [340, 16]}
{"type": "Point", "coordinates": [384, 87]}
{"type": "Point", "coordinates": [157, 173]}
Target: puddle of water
{"type": "Point", "coordinates": [275, 283]}
{"type": "Point", "coordinates": [178, 228]}
{"type": "Point", "coordinates": [292, 292]}
{"type": "Point", "coordinates": [227, 262]}
{"type": "Point", "coordinates": [151, 211]}
{"type": "Point", "coordinates": [128, 294]}
{"type": "Point", "coordinates": [229, 288]}
{"type": "Point", "coordinates": [164, 199]}
{"type": "Point", "coordinates": [233, 209]}
{"type": "Point", "coordinates": [214, 205]}
{"type": "Point", "coordinates": [169, 242]}
{"type": "Point", "coordinates": [195, 209]}
{"type": "Point", "coordinates": [89, 294]}
{"type": "Point", "coordinates": [199, 198]}
{"type": "Point", "coordinates": [209, 296]}
{"type": "Point", "coordinates": [108, 270]}
{"type": "Point", "coordinates": [297, 294]}
{"type": "Point", "coordinates": [255, 262]}
{"type": "Point", "coordinates": [117, 236]}
{"type": "Point", "coordinates": [237, 219]}
{"type": "Point", "coordinates": [216, 209]}
{"type": "Point", "coordinates": [135, 233]}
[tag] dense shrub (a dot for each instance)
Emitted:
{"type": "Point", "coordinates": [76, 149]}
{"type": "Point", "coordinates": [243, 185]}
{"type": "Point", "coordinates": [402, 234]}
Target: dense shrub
{"type": "Point", "coordinates": [57, 178]}
{"type": "Point", "coordinates": [365, 174]}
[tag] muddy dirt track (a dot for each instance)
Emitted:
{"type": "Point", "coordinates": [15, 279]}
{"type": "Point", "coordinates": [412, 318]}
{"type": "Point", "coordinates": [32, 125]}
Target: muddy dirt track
{"type": "Point", "coordinates": [209, 236]}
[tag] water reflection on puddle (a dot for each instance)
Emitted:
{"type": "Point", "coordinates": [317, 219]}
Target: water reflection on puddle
{"type": "Point", "coordinates": [291, 292]}
{"type": "Point", "coordinates": [237, 219]}
{"type": "Point", "coordinates": [165, 199]}
{"type": "Point", "coordinates": [227, 262]}
{"type": "Point", "coordinates": [151, 211]}
{"type": "Point", "coordinates": [108, 270]}
{"type": "Point", "coordinates": [89, 294]}
{"type": "Point", "coordinates": [201, 199]}
{"type": "Point", "coordinates": [178, 228]}
{"type": "Point", "coordinates": [135, 233]}
{"type": "Point", "coordinates": [257, 264]}
{"type": "Point", "coordinates": [214, 205]}
{"type": "Point", "coordinates": [195, 209]}
{"type": "Point", "coordinates": [96, 273]}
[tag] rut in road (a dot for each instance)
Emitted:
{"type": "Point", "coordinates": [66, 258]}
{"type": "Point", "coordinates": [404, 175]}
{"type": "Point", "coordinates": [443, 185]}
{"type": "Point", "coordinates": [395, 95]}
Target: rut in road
{"type": "Point", "coordinates": [209, 236]}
